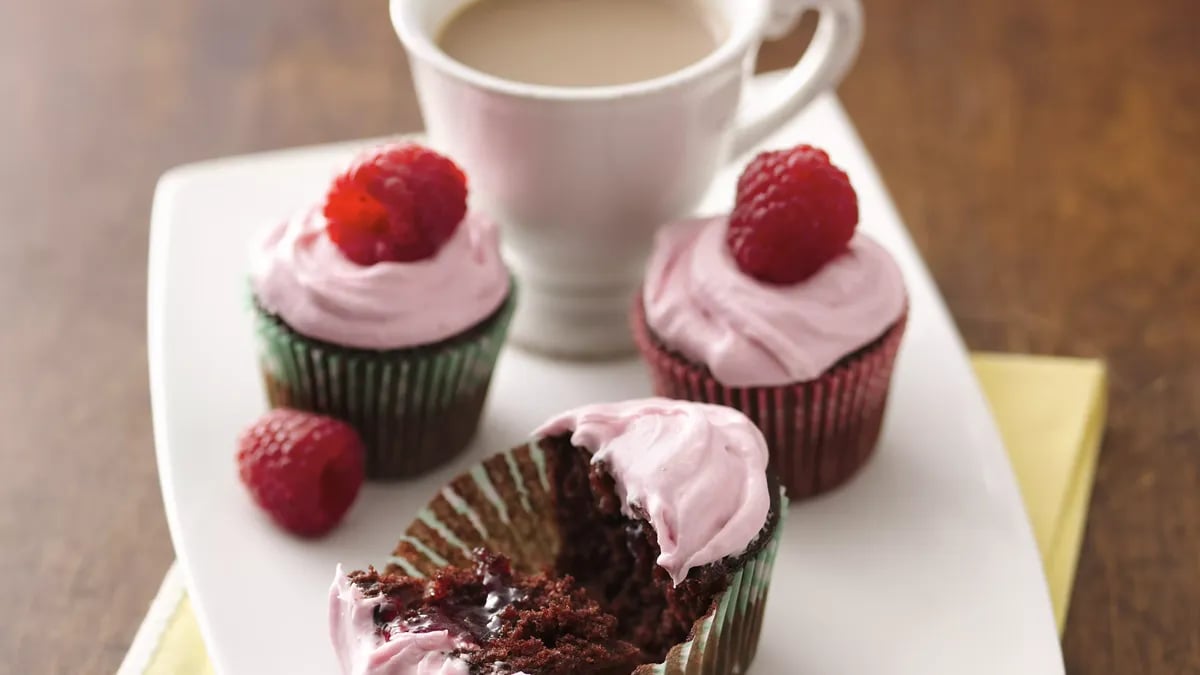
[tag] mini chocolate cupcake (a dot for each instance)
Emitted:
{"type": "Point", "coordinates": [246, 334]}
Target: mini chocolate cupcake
{"type": "Point", "coordinates": [386, 307]}
{"type": "Point", "coordinates": [630, 537]}
{"type": "Point", "coordinates": [782, 311]}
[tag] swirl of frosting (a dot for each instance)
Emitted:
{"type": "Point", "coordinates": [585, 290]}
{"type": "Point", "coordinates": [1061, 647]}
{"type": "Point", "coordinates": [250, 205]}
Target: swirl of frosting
{"type": "Point", "coordinates": [750, 333]}
{"type": "Point", "coordinates": [300, 275]}
{"type": "Point", "coordinates": [362, 650]}
{"type": "Point", "coordinates": [695, 471]}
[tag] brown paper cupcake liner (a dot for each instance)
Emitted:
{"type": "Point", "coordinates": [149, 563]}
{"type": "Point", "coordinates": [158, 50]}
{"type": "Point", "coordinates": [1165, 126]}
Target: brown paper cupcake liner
{"type": "Point", "coordinates": [505, 505]}
{"type": "Point", "coordinates": [414, 408]}
{"type": "Point", "coordinates": [820, 432]}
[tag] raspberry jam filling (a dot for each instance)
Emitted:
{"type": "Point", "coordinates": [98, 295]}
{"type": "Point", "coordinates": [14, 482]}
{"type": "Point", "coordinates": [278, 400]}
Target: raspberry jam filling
{"type": "Point", "coordinates": [501, 621]}
{"type": "Point", "coordinates": [467, 608]}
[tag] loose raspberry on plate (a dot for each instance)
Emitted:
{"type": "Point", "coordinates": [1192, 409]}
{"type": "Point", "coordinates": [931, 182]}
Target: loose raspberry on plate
{"type": "Point", "coordinates": [795, 212]}
{"type": "Point", "coordinates": [303, 469]}
{"type": "Point", "coordinates": [399, 203]}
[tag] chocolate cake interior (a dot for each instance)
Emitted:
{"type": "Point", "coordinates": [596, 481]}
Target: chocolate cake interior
{"type": "Point", "coordinates": [528, 623]}
{"type": "Point", "coordinates": [614, 558]}
{"type": "Point", "coordinates": [605, 606]}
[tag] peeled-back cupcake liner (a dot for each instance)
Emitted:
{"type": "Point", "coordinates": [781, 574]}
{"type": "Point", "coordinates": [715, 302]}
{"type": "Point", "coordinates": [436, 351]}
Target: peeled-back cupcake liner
{"type": "Point", "coordinates": [414, 408]}
{"type": "Point", "coordinates": [504, 505]}
{"type": "Point", "coordinates": [820, 432]}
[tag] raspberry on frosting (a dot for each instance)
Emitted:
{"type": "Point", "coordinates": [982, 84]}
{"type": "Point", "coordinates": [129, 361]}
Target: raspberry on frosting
{"type": "Point", "coordinates": [795, 212]}
{"type": "Point", "coordinates": [399, 203]}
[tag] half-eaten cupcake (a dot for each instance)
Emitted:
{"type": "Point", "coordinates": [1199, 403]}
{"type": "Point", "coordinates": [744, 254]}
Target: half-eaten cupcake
{"type": "Point", "coordinates": [633, 537]}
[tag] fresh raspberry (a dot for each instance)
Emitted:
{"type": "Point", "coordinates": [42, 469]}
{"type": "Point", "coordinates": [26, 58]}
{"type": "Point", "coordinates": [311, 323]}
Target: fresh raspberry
{"type": "Point", "coordinates": [301, 468]}
{"type": "Point", "coordinates": [399, 203]}
{"type": "Point", "coordinates": [795, 211]}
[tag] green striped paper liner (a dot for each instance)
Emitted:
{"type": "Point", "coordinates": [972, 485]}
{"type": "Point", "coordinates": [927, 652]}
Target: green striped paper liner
{"type": "Point", "coordinates": [415, 408]}
{"type": "Point", "coordinates": [504, 505]}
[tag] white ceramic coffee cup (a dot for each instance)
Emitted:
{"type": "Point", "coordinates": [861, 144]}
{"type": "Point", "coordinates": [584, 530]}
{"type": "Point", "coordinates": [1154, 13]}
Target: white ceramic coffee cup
{"type": "Point", "coordinates": [580, 177]}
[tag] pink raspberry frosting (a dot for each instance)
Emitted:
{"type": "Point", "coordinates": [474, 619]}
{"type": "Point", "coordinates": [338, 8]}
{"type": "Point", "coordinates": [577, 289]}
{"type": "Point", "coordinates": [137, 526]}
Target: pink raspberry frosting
{"type": "Point", "coordinates": [695, 471]}
{"type": "Point", "coordinates": [754, 334]}
{"type": "Point", "coordinates": [300, 275]}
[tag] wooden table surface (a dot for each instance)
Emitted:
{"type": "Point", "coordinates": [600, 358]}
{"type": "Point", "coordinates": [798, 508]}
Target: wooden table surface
{"type": "Point", "coordinates": [1046, 156]}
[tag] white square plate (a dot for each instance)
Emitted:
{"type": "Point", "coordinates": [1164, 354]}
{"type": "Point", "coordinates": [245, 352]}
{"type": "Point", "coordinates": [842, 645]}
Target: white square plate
{"type": "Point", "coordinates": [922, 564]}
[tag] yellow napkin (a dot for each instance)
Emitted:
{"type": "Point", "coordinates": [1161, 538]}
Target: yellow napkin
{"type": "Point", "coordinates": [1050, 412]}
{"type": "Point", "coordinates": [181, 650]}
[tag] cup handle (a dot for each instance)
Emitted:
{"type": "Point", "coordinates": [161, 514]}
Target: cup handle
{"type": "Point", "coordinates": [822, 66]}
